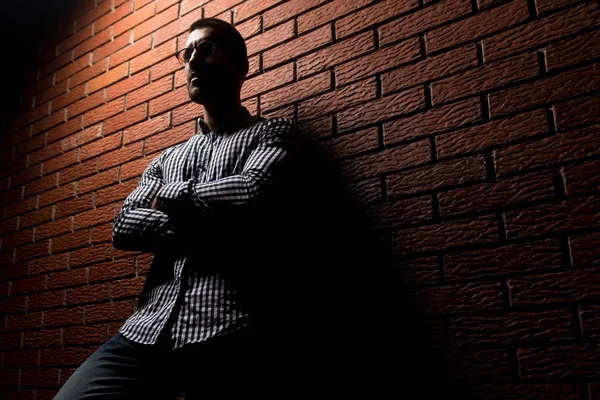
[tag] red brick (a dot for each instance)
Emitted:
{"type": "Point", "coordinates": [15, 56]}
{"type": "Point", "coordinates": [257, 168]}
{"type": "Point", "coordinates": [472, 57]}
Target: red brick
{"type": "Point", "coordinates": [177, 27]}
{"type": "Point", "coordinates": [21, 322]}
{"type": "Point", "coordinates": [120, 156]}
{"type": "Point", "coordinates": [49, 263]}
{"type": "Point", "coordinates": [71, 241]}
{"type": "Point", "coordinates": [94, 217]}
{"type": "Point", "coordinates": [87, 294]}
{"type": "Point", "coordinates": [351, 144]}
{"type": "Point", "coordinates": [510, 259]}
{"type": "Point", "coordinates": [573, 50]}
{"type": "Point", "coordinates": [35, 114]}
{"type": "Point", "coordinates": [35, 218]}
{"type": "Point", "coordinates": [79, 171]}
{"type": "Point", "coordinates": [85, 104]}
{"type": "Point", "coordinates": [528, 391]}
{"type": "Point", "coordinates": [98, 181]}
{"type": "Point", "coordinates": [296, 47]}
{"type": "Point", "coordinates": [96, 253]}
{"type": "Point", "coordinates": [520, 327]}
{"type": "Point", "coordinates": [590, 320]}
{"type": "Point", "coordinates": [285, 11]}
{"type": "Point", "coordinates": [124, 288]}
{"type": "Point", "coordinates": [63, 317]}
{"type": "Point", "coordinates": [169, 138]}
{"type": "Point", "coordinates": [578, 112]}
{"type": "Point", "coordinates": [79, 78]}
{"type": "Point", "coordinates": [42, 338]}
{"type": "Point", "coordinates": [475, 296]}
{"type": "Point", "coordinates": [32, 250]}
{"type": "Point", "coordinates": [495, 195]}
{"type": "Point", "coordinates": [102, 233]}
{"type": "Point", "coordinates": [435, 176]}
{"type": "Point", "coordinates": [60, 357]}
{"type": "Point", "coordinates": [100, 146]}
{"type": "Point", "coordinates": [445, 235]}
{"type": "Point", "coordinates": [152, 57]}
{"type": "Point", "coordinates": [68, 98]}
{"type": "Point", "coordinates": [54, 228]}
{"type": "Point", "coordinates": [105, 111]}
{"type": "Point", "coordinates": [91, 334]}
{"type": "Point", "coordinates": [268, 80]}
{"type": "Point", "coordinates": [432, 121]}
{"type": "Point", "coordinates": [381, 109]}
{"type": "Point", "coordinates": [168, 101]}
{"type": "Point", "coordinates": [48, 122]}
{"type": "Point", "coordinates": [548, 90]}
{"type": "Point", "coordinates": [45, 300]}
{"type": "Point", "coordinates": [111, 270]}
{"type": "Point", "coordinates": [378, 62]}
{"type": "Point", "coordinates": [582, 178]}
{"type": "Point", "coordinates": [165, 67]}
{"type": "Point", "coordinates": [484, 78]}
{"type": "Point", "coordinates": [270, 38]}
{"type": "Point", "coordinates": [552, 150]}
{"type": "Point", "coordinates": [250, 27]}
{"type": "Point", "coordinates": [21, 359]}
{"type": "Point", "coordinates": [296, 91]}
{"type": "Point", "coordinates": [247, 9]}
{"type": "Point", "coordinates": [387, 161]}
{"type": "Point", "coordinates": [123, 120]}
{"type": "Point", "coordinates": [127, 85]}
{"type": "Point", "coordinates": [131, 51]}
{"type": "Point", "coordinates": [17, 239]}
{"type": "Point", "coordinates": [186, 112]}
{"type": "Point", "coordinates": [150, 91]}
{"type": "Point", "coordinates": [372, 15]}
{"type": "Point", "coordinates": [336, 54]}
{"type": "Point", "coordinates": [115, 15]}
{"type": "Point", "coordinates": [28, 285]}
{"type": "Point", "coordinates": [156, 22]}
{"type": "Point", "coordinates": [541, 31]}
{"type": "Point", "coordinates": [577, 361]}
{"type": "Point", "coordinates": [216, 7]}
{"type": "Point", "coordinates": [403, 212]}
{"type": "Point", "coordinates": [584, 248]}
{"type": "Point", "coordinates": [146, 128]}
{"type": "Point", "coordinates": [134, 19]}
{"type": "Point", "coordinates": [495, 133]}
{"type": "Point", "coordinates": [423, 20]}
{"type": "Point", "coordinates": [51, 92]}
{"type": "Point", "coordinates": [82, 137]}
{"type": "Point", "coordinates": [112, 47]}
{"type": "Point", "coordinates": [56, 63]}
{"type": "Point", "coordinates": [478, 25]}
{"type": "Point", "coordinates": [186, 5]}
{"type": "Point", "coordinates": [111, 194]}
{"type": "Point", "coordinates": [478, 364]}
{"type": "Point", "coordinates": [93, 14]}
{"type": "Point", "coordinates": [327, 13]}
{"type": "Point", "coordinates": [108, 78]}
{"type": "Point", "coordinates": [92, 43]}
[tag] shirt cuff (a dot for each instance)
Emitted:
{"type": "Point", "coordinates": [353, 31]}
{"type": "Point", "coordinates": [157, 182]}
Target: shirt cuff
{"type": "Point", "coordinates": [173, 192]}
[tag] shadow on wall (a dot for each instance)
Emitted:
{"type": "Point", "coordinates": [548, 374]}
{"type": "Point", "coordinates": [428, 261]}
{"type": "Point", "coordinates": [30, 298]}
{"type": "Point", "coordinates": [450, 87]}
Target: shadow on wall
{"type": "Point", "coordinates": [343, 322]}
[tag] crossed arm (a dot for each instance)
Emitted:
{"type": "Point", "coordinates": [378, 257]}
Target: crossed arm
{"type": "Point", "coordinates": [156, 218]}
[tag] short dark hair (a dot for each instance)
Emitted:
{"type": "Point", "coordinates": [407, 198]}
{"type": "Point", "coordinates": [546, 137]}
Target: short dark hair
{"type": "Point", "coordinates": [227, 33]}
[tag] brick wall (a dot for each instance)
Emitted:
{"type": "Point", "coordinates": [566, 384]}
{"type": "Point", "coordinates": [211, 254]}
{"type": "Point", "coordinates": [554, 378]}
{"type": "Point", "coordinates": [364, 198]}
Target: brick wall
{"type": "Point", "coordinates": [468, 130]}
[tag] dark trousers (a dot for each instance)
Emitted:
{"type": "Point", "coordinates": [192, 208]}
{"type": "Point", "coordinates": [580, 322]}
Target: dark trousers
{"type": "Point", "coordinates": [223, 367]}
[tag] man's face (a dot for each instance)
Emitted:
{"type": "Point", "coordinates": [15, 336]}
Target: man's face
{"type": "Point", "coordinates": [209, 78]}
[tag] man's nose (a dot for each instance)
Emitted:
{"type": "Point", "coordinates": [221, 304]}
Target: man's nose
{"type": "Point", "coordinates": [195, 58]}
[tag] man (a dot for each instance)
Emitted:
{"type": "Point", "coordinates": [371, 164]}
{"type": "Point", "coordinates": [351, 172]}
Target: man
{"type": "Point", "coordinates": [208, 209]}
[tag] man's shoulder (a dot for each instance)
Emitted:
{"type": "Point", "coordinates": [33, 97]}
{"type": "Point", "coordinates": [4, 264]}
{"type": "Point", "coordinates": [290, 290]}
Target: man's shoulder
{"type": "Point", "coordinates": [278, 125]}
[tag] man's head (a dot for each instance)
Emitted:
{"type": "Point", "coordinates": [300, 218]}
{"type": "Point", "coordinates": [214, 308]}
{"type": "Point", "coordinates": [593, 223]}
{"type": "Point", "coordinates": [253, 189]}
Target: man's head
{"type": "Point", "coordinates": [215, 61]}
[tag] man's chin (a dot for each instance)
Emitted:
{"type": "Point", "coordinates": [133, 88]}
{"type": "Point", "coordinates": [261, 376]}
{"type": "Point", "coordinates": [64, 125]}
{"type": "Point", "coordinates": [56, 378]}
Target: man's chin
{"type": "Point", "coordinates": [198, 94]}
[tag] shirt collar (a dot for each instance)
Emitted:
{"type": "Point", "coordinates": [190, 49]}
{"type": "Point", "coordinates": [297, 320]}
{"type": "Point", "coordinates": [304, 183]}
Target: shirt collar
{"type": "Point", "coordinates": [239, 118]}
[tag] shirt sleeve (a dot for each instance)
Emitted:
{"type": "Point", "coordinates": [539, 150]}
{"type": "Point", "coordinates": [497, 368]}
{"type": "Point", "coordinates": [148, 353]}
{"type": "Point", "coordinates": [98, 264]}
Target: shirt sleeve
{"type": "Point", "coordinates": [139, 227]}
{"type": "Point", "coordinates": [261, 169]}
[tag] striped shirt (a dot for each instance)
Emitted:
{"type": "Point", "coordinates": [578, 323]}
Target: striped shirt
{"type": "Point", "coordinates": [199, 234]}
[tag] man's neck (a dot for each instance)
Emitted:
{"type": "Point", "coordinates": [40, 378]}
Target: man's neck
{"type": "Point", "coordinates": [216, 115]}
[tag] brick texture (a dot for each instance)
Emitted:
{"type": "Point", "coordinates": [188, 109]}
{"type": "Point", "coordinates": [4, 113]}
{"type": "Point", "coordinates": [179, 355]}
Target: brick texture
{"type": "Point", "coordinates": [468, 132]}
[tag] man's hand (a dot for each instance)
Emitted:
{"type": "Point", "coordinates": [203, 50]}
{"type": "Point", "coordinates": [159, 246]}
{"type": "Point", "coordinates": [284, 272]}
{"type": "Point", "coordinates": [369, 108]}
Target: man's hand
{"type": "Point", "coordinates": [158, 205]}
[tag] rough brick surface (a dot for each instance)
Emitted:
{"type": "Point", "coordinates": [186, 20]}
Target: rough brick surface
{"type": "Point", "coordinates": [466, 131]}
